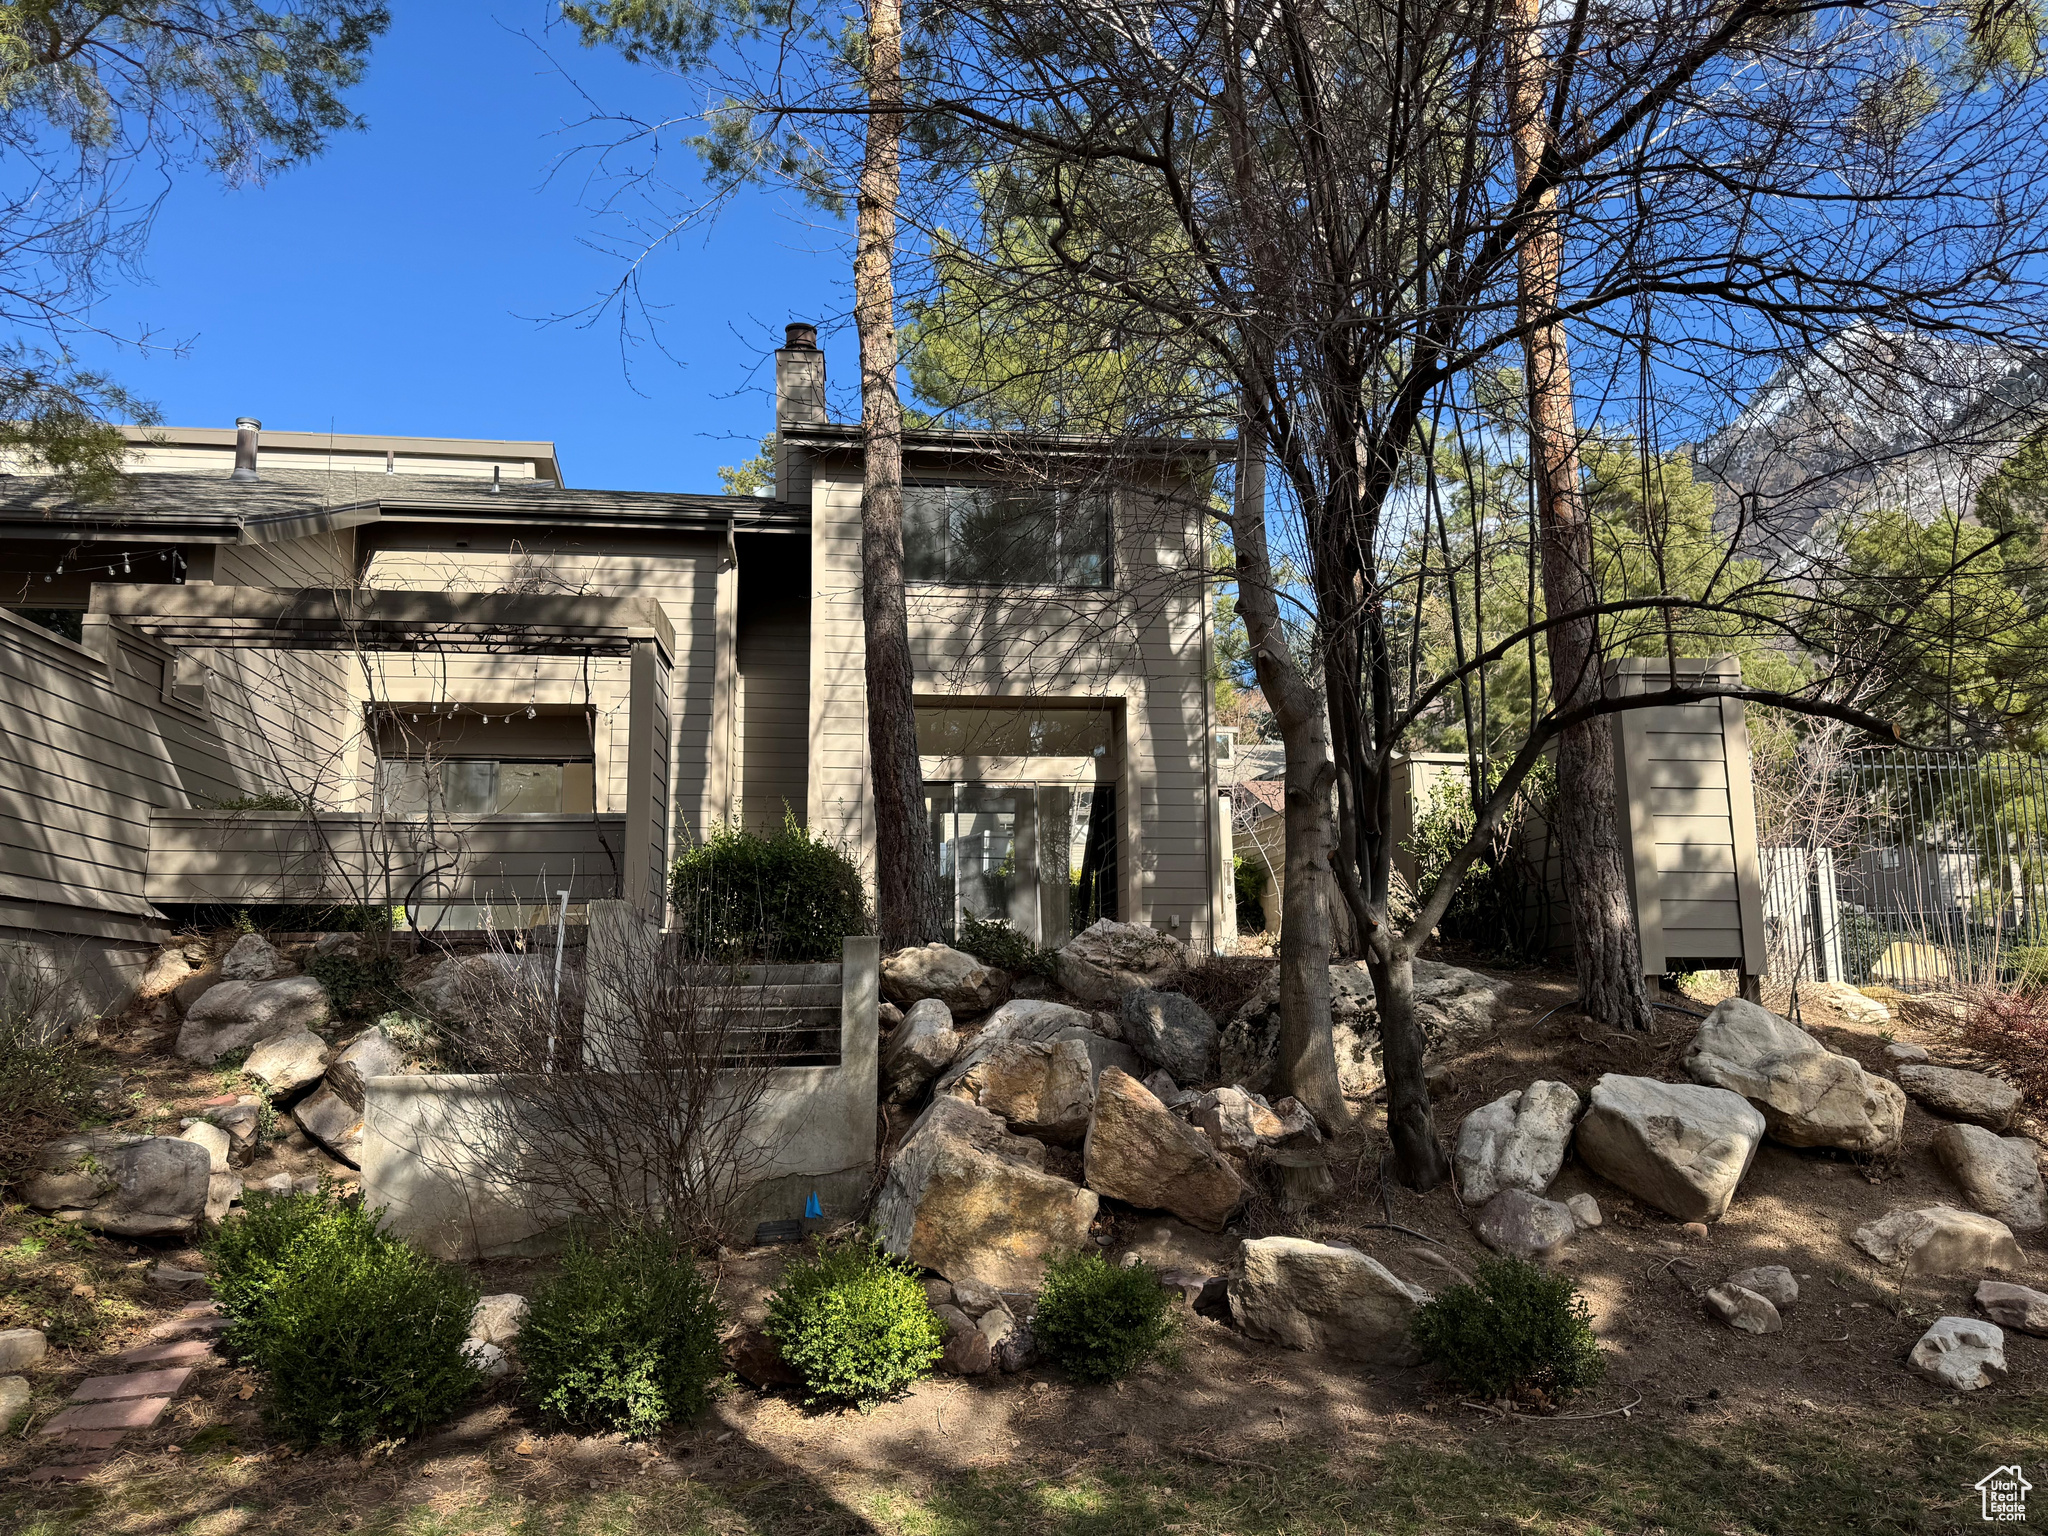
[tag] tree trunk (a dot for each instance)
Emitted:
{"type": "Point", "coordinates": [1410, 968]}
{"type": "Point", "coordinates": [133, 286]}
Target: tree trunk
{"type": "Point", "coordinates": [1307, 1064]}
{"type": "Point", "coordinates": [906, 895]}
{"type": "Point", "coordinates": [1608, 958]}
{"type": "Point", "coordinates": [1419, 1157]}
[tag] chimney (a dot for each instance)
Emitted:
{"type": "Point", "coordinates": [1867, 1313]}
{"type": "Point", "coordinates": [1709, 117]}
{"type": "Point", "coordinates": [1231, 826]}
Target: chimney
{"type": "Point", "coordinates": [799, 401]}
{"type": "Point", "coordinates": [246, 428]}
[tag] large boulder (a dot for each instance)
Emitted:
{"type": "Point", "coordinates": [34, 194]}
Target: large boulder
{"type": "Point", "coordinates": [1960, 1095]}
{"type": "Point", "coordinates": [1999, 1175]}
{"type": "Point", "coordinates": [236, 1014]}
{"type": "Point", "coordinates": [371, 1054]}
{"type": "Point", "coordinates": [1516, 1142]}
{"type": "Point", "coordinates": [1020, 1019]}
{"type": "Point", "coordinates": [1960, 1353]}
{"type": "Point", "coordinates": [463, 988]}
{"type": "Point", "coordinates": [1323, 1297]}
{"type": "Point", "coordinates": [1107, 958]}
{"type": "Point", "coordinates": [1850, 1003]}
{"type": "Point", "coordinates": [1169, 1030]}
{"type": "Point", "coordinates": [1809, 1095]}
{"type": "Point", "coordinates": [1525, 1226]}
{"type": "Point", "coordinates": [938, 970]}
{"type": "Point", "coordinates": [288, 1063]}
{"type": "Point", "coordinates": [1454, 1007]}
{"type": "Point", "coordinates": [122, 1184]}
{"type": "Point", "coordinates": [1040, 1088]}
{"type": "Point", "coordinates": [1680, 1147]}
{"type": "Point", "coordinates": [966, 1198]}
{"type": "Point", "coordinates": [917, 1050]}
{"type": "Point", "coordinates": [1138, 1151]}
{"type": "Point", "coordinates": [1940, 1240]}
{"type": "Point", "coordinates": [252, 959]}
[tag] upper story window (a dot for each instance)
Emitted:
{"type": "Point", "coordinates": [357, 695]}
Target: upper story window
{"type": "Point", "coordinates": [994, 535]}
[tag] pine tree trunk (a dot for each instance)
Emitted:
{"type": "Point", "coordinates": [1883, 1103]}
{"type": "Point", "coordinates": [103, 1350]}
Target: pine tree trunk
{"type": "Point", "coordinates": [906, 894]}
{"type": "Point", "coordinates": [1605, 950]}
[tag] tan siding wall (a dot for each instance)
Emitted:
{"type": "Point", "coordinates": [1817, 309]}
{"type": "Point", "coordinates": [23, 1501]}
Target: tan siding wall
{"type": "Point", "coordinates": [1141, 644]}
{"type": "Point", "coordinates": [774, 674]}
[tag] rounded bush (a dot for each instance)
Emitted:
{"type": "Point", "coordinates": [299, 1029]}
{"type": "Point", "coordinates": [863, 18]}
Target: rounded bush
{"type": "Point", "coordinates": [624, 1337]}
{"type": "Point", "coordinates": [245, 1258]}
{"type": "Point", "coordinates": [1516, 1329]}
{"type": "Point", "coordinates": [855, 1323]}
{"type": "Point", "coordinates": [790, 897]}
{"type": "Point", "coordinates": [1099, 1322]}
{"type": "Point", "coordinates": [359, 1337]}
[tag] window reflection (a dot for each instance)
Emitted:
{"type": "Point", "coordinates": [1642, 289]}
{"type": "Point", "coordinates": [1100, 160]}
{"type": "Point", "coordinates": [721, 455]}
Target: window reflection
{"type": "Point", "coordinates": [990, 535]}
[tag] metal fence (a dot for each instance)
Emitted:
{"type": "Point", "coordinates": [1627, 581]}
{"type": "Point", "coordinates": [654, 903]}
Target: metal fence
{"type": "Point", "coordinates": [1932, 873]}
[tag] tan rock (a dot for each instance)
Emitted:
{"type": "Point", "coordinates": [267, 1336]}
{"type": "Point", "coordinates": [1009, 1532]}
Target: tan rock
{"type": "Point", "coordinates": [1041, 1088]}
{"type": "Point", "coordinates": [1960, 1353]}
{"type": "Point", "coordinates": [1680, 1147]}
{"type": "Point", "coordinates": [1999, 1175]}
{"type": "Point", "coordinates": [1107, 959]}
{"type": "Point", "coordinates": [2009, 1306]}
{"type": "Point", "coordinates": [966, 1198]}
{"type": "Point", "coordinates": [1960, 1095]}
{"type": "Point", "coordinates": [1809, 1095]}
{"type": "Point", "coordinates": [1940, 1240]}
{"type": "Point", "coordinates": [1322, 1297]}
{"type": "Point", "coordinates": [1516, 1142]}
{"type": "Point", "coordinates": [1743, 1309]}
{"type": "Point", "coordinates": [938, 970]}
{"type": "Point", "coordinates": [917, 1050]}
{"type": "Point", "coordinates": [969, 1351]}
{"type": "Point", "coordinates": [1137, 1151]}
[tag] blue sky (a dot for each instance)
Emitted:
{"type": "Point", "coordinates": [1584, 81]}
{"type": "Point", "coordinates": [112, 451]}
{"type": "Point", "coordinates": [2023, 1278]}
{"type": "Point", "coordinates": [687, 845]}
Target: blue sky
{"type": "Point", "coordinates": [394, 284]}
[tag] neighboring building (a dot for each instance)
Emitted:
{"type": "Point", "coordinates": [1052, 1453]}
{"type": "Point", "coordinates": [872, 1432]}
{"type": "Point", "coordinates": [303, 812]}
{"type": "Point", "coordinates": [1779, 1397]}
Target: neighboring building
{"type": "Point", "coordinates": [157, 749]}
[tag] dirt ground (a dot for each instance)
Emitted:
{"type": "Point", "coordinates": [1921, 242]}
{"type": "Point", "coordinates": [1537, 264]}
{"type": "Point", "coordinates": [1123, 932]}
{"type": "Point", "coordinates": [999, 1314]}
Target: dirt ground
{"type": "Point", "coordinates": [1229, 1410]}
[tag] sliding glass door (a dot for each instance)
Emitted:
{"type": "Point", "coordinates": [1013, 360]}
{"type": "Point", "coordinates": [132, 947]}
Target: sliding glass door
{"type": "Point", "coordinates": [1039, 857]}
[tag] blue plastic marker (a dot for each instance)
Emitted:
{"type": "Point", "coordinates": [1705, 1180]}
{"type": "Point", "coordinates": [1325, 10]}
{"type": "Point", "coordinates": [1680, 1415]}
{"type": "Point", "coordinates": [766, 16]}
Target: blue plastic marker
{"type": "Point", "coordinates": [811, 1206]}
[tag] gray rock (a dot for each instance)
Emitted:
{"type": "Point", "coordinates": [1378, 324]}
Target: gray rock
{"type": "Point", "coordinates": [1960, 1353]}
{"type": "Point", "coordinates": [463, 988]}
{"type": "Point", "coordinates": [338, 946]}
{"type": "Point", "coordinates": [371, 1054]}
{"type": "Point", "coordinates": [1960, 1095]}
{"type": "Point", "coordinates": [188, 992]}
{"type": "Point", "coordinates": [497, 1319]}
{"type": "Point", "coordinates": [966, 1198]}
{"type": "Point", "coordinates": [968, 1351]}
{"type": "Point", "coordinates": [288, 1063]}
{"type": "Point", "coordinates": [1999, 1175]}
{"type": "Point", "coordinates": [216, 1141]}
{"type": "Point", "coordinates": [975, 1297]}
{"type": "Point", "coordinates": [1848, 1002]}
{"type": "Point", "coordinates": [1137, 1151]}
{"type": "Point", "coordinates": [1104, 1054]}
{"type": "Point", "coordinates": [1041, 1088]}
{"type": "Point", "coordinates": [1107, 959]}
{"type": "Point", "coordinates": [14, 1396]}
{"type": "Point", "coordinates": [223, 1189]}
{"type": "Point", "coordinates": [173, 1278]}
{"type": "Point", "coordinates": [252, 959]}
{"type": "Point", "coordinates": [333, 1122]}
{"type": "Point", "coordinates": [1774, 1282]}
{"type": "Point", "coordinates": [241, 1120]}
{"type": "Point", "coordinates": [1163, 1087]}
{"type": "Point", "coordinates": [1906, 1051]}
{"type": "Point", "coordinates": [1940, 1240]}
{"type": "Point", "coordinates": [1022, 1019]}
{"type": "Point", "coordinates": [1010, 1343]}
{"type": "Point", "coordinates": [1585, 1210]}
{"type": "Point", "coordinates": [489, 1360]}
{"type": "Point", "coordinates": [1318, 1296]}
{"type": "Point", "coordinates": [122, 1184]}
{"type": "Point", "coordinates": [1516, 1142]}
{"type": "Point", "coordinates": [1809, 1095]}
{"type": "Point", "coordinates": [938, 970]}
{"type": "Point", "coordinates": [1743, 1309]}
{"type": "Point", "coordinates": [1676, 1146]}
{"type": "Point", "coordinates": [1525, 1226]}
{"type": "Point", "coordinates": [21, 1348]}
{"type": "Point", "coordinates": [917, 1050]}
{"type": "Point", "coordinates": [1241, 1123]}
{"type": "Point", "coordinates": [2009, 1306]}
{"type": "Point", "coordinates": [243, 1013]}
{"type": "Point", "coordinates": [1169, 1030]}
{"type": "Point", "coordinates": [887, 1015]}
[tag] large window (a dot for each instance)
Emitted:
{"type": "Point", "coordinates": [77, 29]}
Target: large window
{"type": "Point", "coordinates": [484, 786]}
{"type": "Point", "coordinates": [1040, 857]}
{"type": "Point", "coordinates": [992, 535]}
{"type": "Point", "coordinates": [1058, 730]}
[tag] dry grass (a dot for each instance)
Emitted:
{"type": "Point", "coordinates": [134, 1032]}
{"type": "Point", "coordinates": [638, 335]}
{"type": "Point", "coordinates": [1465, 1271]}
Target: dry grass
{"type": "Point", "coordinates": [2010, 1029]}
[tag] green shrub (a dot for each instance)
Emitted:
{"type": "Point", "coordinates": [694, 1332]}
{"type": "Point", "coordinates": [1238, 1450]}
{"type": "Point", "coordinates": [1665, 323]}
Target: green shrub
{"type": "Point", "coordinates": [994, 942]}
{"type": "Point", "coordinates": [1516, 1328]}
{"type": "Point", "coordinates": [854, 1323]}
{"type": "Point", "coordinates": [1099, 1322]}
{"type": "Point", "coordinates": [244, 1258]}
{"type": "Point", "coordinates": [790, 897]}
{"type": "Point", "coordinates": [359, 1336]}
{"type": "Point", "coordinates": [622, 1338]}
{"type": "Point", "coordinates": [359, 987]}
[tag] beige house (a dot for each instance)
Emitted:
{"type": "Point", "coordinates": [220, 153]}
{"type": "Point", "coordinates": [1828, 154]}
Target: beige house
{"type": "Point", "coordinates": [294, 668]}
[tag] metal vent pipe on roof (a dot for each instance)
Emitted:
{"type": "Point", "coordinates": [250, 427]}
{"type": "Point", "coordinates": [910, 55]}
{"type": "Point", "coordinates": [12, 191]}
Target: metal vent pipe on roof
{"type": "Point", "coordinates": [246, 428]}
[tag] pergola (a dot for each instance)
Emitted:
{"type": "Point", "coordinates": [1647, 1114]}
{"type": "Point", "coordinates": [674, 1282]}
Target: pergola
{"type": "Point", "coordinates": [476, 623]}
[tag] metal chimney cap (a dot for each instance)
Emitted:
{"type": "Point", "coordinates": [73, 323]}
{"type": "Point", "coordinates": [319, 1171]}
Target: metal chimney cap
{"type": "Point", "coordinates": [248, 421]}
{"type": "Point", "coordinates": [800, 333]}
{"type": "Point", "coordinates": [246, 428]}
